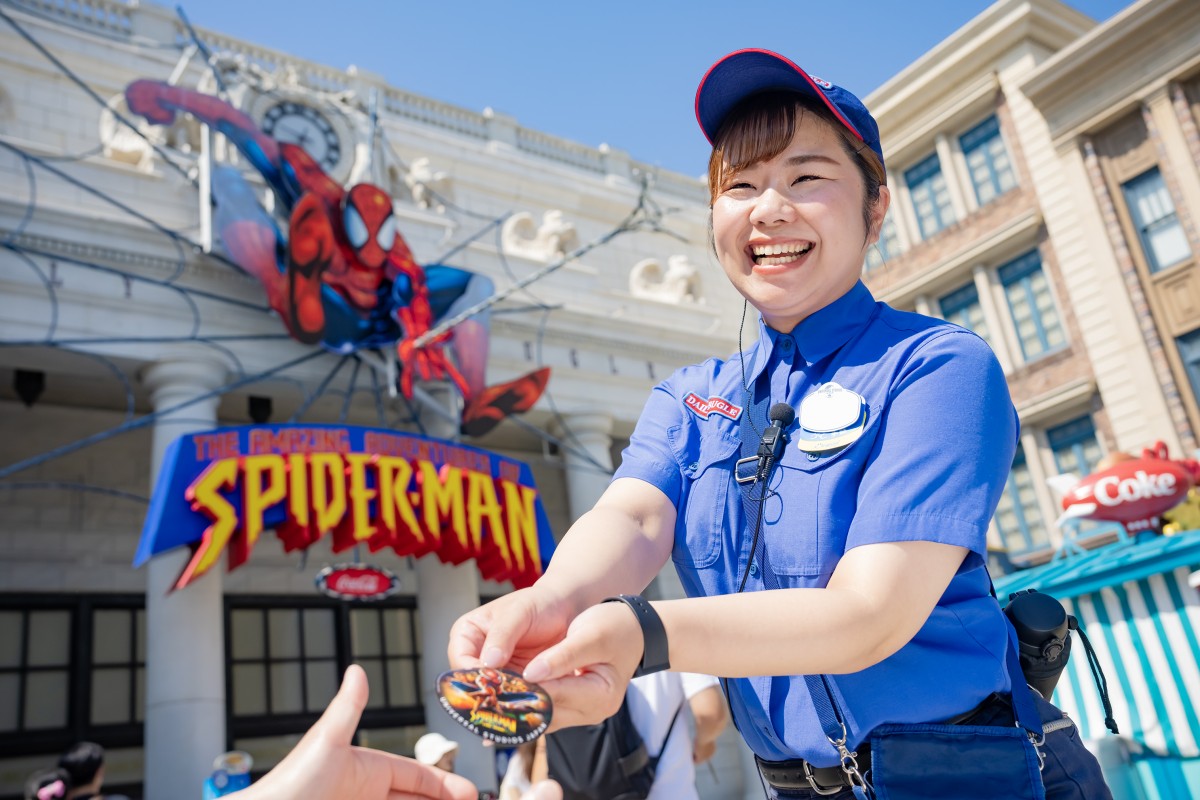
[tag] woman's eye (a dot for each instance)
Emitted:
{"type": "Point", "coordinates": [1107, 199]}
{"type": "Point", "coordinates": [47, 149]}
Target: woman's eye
{"type": "Point", "coordinates": [806, 178]}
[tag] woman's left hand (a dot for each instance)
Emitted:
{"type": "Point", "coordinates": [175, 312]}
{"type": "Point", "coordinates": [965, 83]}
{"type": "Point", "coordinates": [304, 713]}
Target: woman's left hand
{"type": "Point", "coordinates": [586, 674]}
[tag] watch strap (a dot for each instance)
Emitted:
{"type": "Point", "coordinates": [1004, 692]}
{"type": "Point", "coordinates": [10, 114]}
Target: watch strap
{"type": "Point", "coordinates": [655, 653]}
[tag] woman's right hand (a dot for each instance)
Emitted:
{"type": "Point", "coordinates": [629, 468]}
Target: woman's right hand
{"type": "Point", "coordinates": [509, 631]}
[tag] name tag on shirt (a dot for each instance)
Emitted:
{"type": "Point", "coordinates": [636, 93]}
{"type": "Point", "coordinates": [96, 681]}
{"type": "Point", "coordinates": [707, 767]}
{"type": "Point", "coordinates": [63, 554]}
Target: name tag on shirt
{"type": "Point", "coordinates": [831, 417]}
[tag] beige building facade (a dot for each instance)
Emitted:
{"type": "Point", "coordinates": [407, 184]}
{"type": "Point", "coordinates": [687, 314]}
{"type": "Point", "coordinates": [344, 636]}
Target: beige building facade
{"type": "Point", "coordinates": [1043, 175]}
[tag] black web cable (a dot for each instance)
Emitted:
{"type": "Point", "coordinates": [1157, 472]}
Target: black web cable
{"type": "Point", "coordinates": [153, 416]}
{"type": "Point", "coordinates": [92, 93]}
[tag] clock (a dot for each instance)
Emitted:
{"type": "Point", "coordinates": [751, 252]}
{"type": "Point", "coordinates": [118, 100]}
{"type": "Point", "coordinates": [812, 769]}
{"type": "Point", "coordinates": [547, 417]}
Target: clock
{"type": "Point", "coordinates": [301, 124]}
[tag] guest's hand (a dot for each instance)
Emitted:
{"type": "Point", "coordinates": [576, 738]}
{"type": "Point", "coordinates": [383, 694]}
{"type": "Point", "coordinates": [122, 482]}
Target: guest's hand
{"type": "Point", "coordinates": [325, 766]}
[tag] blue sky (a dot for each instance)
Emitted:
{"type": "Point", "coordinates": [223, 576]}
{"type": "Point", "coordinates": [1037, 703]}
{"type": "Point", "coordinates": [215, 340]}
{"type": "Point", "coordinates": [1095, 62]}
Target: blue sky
{"type": "Point", "coordinates": [620, 72]}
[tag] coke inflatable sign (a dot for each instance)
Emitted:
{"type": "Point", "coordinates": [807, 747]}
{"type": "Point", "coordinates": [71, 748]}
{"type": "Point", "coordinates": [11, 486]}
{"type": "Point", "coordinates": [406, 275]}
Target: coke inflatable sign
{"type": "Point", "coordinates": [1134, 491]}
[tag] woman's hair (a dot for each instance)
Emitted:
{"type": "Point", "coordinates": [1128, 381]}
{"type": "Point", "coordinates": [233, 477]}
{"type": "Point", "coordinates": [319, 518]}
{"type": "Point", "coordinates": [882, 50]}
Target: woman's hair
{"type": "Point", "coordinates": [82, 761]}
{"type": "Point", "coordinates": [48, 784]}
{"type": "Point", "coordinates": [762, 126]}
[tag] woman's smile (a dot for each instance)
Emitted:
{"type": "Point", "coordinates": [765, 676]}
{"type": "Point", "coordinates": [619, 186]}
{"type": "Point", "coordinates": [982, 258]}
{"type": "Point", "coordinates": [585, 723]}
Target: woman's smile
{"type": "Point", "coordinates": [789, 230]}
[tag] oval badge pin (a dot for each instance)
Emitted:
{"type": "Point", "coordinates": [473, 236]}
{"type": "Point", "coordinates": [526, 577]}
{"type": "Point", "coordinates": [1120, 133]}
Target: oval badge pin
{"type": "Point", "coordinates": [831, 417]}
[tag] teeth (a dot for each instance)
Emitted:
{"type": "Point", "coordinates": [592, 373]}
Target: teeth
{"type": "Point", "coordinates": [766, 253]}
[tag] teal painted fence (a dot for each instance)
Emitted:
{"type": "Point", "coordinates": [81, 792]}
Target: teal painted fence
{"type": "Point", "coordinates": [1135, 604]}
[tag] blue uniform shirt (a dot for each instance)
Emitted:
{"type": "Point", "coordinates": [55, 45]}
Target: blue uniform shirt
{"type": "Point", "coordinates": [929, 464]}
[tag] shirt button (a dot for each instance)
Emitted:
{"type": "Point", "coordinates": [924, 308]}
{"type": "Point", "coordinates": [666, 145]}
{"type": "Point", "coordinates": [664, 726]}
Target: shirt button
{"type": "Point", "coordinates": [753, 568]}
{"type": "Point", "coordinates": [786, 344]}
{"type": "Point", "coordinates": [692, 467]}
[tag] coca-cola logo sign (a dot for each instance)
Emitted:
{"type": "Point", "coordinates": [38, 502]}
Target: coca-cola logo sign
{"type": "Point", "coordinates": [357, 582]}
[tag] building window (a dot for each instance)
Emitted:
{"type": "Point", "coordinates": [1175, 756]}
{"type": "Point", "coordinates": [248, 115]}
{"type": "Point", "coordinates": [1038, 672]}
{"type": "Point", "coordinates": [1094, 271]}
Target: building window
{"type": "Point", "coordinates": [1018, 517]}
{"type": "Point", "coordinates": [1189, 351]}
{"type": "Point", "coordinates": [886, 248]}
{"type": "Point", "coordinates": [286, 660]}
{"type": "Point", "coordinates": [72, 667]}
{"type": "Point", "coordinates": [35, 669]}
{"type": "Point", "coordinates": [962, 308]}
{"type": "Point", "coordinates": [930, 197]}
{"type": "Point", "coordinates": [987, 161]}
{"type": "Point", "coordinates": [118, 679]}
{"type": "Point", "coordinates": [1074, 446]}
{"type": "Point", "coordinates": [1031, 305]}
{"type": "Point", "coordinates": [383, 641]}
{"type": "Point", "coordinates": [1158, 229]}
{"type": "Point", "coordinates": [282, 660]}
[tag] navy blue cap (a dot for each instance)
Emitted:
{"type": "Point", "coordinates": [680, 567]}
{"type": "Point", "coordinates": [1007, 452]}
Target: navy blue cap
{"type": "Point", "coordinates": [745, 72]}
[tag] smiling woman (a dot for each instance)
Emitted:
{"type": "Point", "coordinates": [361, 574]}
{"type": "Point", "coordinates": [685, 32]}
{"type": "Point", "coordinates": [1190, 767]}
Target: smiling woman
{"type": "Point", "coordinates": [861, 504]}
{"type": "Point", "coordinates": [783, 177]}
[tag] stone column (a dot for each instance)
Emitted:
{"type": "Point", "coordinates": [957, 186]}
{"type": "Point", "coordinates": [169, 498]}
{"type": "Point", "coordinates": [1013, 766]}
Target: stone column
{"type": "Point", "coordinates": [444, 593]}
{"type": "Point", "coordinates": [586, 439]}
{"type": "Point", "coordinates": [185, 643]}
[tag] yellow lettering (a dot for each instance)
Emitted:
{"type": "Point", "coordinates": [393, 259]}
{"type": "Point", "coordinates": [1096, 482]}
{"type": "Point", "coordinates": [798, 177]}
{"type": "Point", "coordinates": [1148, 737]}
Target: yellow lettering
{"type": "Point", "coordinates": [205, 496]}
{"type": "Point", "coordinates": [328, 490]}
{"type": "Point", "coordinates": [360, 495]}
{"type": "Point", "coordinates": [298, 510]}
{"type": "Point", "coordinates": [257, 497]}
{"type": "Point", "coordinates": [482, 505]}
{"type": "Point", "coordinates": [395, 474]}
{"type": "Point", "coordinates": [442, 498]}
{"type": "Point", "coordinates": [522, 525]}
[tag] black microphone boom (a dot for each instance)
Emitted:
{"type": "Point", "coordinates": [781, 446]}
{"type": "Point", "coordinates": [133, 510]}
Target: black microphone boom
{"type": "Point", "coordinates": [773, 438]}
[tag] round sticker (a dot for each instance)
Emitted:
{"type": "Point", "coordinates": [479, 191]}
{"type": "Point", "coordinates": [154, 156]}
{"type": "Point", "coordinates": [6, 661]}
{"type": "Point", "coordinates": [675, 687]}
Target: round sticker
{"type": "Point", "coordinates": [495, 704]}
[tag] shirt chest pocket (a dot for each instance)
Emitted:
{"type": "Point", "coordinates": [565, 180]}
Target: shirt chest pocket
{"type": "Point", "coordinates": [706, 519]}
{"type": "Point", "coordinates": [808, 514]}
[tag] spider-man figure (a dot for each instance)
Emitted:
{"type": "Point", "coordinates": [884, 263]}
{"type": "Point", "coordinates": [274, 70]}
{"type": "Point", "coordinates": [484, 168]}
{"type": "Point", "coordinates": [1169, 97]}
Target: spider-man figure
{"type": "Point", "coordinates": [343, 276]}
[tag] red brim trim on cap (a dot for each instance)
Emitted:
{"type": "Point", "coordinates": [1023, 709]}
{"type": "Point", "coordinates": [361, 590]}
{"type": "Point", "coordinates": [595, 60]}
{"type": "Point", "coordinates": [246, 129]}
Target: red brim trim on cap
{"type": "Point", "coordinates": [816, 90]}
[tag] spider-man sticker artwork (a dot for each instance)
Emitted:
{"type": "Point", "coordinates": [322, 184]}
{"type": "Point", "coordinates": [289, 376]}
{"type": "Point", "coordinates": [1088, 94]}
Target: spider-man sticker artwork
{"type": "Point", "coordinates": [495, 704]}
{"type": "Point", "coordinates": [342, 276]}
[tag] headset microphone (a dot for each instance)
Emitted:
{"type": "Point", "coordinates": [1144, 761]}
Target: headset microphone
{"type": "Point", "coordinates": [781, 416]}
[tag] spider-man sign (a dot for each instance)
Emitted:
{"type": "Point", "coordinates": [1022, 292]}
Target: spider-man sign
{"type": "Point", "coordinates": [343, 276]}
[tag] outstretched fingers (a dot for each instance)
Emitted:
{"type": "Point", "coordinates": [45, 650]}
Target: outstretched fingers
{"type": "Point", "coordinates": [410, 779]}
{"type": "Point", "coordinates": [341, 717]}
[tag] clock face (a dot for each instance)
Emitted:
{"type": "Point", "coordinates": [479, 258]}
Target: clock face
{"type": "Point", "coordinates": [305, 126]}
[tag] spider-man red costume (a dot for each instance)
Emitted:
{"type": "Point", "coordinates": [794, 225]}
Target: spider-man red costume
{"type": "Point", "coordinates": [343, 275]}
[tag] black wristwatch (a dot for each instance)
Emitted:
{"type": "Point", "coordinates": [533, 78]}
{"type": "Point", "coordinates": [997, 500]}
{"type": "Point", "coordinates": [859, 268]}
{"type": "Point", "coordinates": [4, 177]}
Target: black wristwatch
{"type": "Point", "coordinates": [655, 653]}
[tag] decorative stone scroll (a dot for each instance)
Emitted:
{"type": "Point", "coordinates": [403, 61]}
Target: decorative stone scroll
{"type": "Point", "coordinates": [554, 238]}
{"type": "Point", "coordinates": [430, 188]}
{"type": "Point", "coordinates": [679, 283]}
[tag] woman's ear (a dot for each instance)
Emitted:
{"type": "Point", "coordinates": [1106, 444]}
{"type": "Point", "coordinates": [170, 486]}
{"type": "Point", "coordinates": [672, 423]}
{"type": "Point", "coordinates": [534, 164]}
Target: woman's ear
{"type": "Point", "coordinates": [878, 213]}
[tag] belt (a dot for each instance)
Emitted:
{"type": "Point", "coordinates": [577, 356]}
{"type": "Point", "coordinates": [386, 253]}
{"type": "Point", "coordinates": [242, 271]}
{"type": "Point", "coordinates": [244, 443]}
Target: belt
{"type": "Point", "coordinates": [797, 773]}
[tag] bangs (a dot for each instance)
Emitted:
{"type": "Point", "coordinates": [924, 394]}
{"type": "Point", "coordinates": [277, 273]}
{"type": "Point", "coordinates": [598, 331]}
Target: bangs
{"type": "Point", "coordinates": [760, 128]}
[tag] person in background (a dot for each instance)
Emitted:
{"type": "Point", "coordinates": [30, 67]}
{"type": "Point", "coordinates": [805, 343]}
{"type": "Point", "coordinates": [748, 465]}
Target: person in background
{"type": "Point", "coordinates": [653, 702]}
{"type": "Point", "coordinates": [48, 784]}
{"type": "Point", "coordinates": [84, 762]}
{"type": "Point", "coordinates": [436, 751]}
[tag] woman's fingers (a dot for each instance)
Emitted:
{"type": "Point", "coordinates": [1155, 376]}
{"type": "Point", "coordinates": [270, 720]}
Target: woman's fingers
{"type": "Point", "coordinates": [466, 639]}
{"type": "Point", "coordinates": [587, 698]}
{"type": "Point", "coordinates": [604, 634]}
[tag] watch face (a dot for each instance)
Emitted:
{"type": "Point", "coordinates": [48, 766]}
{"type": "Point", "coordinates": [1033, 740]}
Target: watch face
{"type": "Point", "coordinates": [305, 126]}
